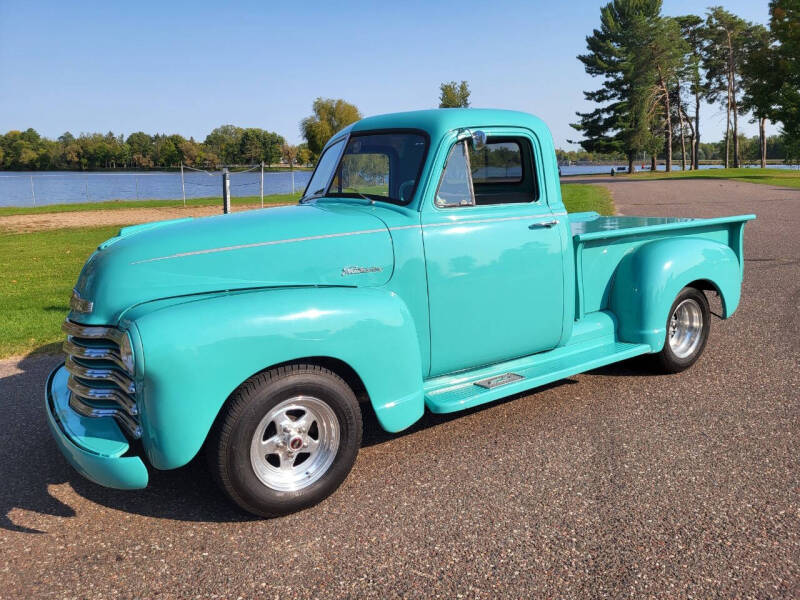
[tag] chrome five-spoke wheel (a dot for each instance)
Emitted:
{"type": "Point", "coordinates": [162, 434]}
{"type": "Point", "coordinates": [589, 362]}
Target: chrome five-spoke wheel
{"type": "Point", "coordinates": [286, 439]}
{"type": "Point", "coordinates": [295, 443]}
{"type": "Point", "coordinates": [688, 325]}
{"type": "Point", "coordinates": [685, 328]}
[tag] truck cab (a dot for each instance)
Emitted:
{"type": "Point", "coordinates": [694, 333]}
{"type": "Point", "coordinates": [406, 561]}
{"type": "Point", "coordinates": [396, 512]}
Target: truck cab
{"type": "Point", "coordinates": [430, 265]}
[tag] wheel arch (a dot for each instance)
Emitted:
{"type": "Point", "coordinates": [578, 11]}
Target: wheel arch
{"type": "Point", "coordinates": [706, 285]}
{"type": "Point", "coordinates": [335, 365]}
{"type": "Point", "coordinates": [366, 336]}
{"type": "Point", "coordinates": [649, 278]}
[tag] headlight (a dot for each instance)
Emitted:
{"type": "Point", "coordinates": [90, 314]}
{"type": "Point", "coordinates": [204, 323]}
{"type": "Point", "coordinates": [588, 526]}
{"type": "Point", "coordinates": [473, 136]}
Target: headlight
{"type": "Point", "coordinates": [79, 304]}
{"type": "Point", "coordinates": [126, 353]}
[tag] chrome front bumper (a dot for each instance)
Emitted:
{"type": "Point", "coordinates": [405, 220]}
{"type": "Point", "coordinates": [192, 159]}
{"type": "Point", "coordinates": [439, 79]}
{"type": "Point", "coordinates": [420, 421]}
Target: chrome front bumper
{"type": "Point", "coordinates": [94, 446]}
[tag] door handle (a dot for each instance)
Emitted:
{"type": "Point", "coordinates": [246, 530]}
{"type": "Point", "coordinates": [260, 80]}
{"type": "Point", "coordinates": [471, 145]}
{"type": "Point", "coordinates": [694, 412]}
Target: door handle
{"type": "Point", "coordinates": [543, 224]}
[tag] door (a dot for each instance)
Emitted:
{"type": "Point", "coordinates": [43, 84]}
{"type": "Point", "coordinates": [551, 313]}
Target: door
{"type": "Point", "coordinates": [493, 258]}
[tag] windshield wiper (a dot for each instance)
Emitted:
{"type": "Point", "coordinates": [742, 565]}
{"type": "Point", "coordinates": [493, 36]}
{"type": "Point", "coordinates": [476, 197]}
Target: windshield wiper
{"type": "Point", "coordinates": [313, 195]}
{"type": "Point", "coordinates": [370, 200]}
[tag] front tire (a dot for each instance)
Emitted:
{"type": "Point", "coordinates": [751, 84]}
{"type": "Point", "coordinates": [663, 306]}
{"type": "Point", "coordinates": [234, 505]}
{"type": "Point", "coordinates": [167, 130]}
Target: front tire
{"type": "Point", "coordinates": [688, 326]}
{"type": "Point", "coordinates": [285, 440]}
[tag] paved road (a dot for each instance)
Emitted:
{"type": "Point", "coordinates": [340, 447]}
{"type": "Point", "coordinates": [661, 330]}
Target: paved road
{"type": "Point", "coordinates": [609, 484]}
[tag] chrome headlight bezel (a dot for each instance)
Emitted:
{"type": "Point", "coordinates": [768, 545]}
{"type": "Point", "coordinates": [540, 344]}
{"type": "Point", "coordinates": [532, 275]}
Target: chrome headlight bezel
{"type": "Point", "coordinates": [79, 304]}
{"type": "Point", "coordinates": [126, 353]}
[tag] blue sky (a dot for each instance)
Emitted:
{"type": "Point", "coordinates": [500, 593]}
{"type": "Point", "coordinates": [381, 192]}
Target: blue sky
{"type": "Point", "coordinates": [188, 67]}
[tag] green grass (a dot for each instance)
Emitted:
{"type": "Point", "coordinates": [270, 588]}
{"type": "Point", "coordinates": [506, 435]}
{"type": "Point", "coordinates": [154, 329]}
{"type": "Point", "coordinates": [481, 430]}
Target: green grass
{"type": "Point", "coordinates": [113, 204]}
{"type": "Point", "coordinates": [779, 177]}
{"type": "Point", "coordinates": [38, 270]}
{"type": "Point", "coordinates": [582, 197]}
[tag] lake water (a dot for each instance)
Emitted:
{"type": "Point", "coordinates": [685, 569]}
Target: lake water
{"type": "Point", "coordinates": [69, 187]}
{"type": "Point", "coordinates": [606, 169]}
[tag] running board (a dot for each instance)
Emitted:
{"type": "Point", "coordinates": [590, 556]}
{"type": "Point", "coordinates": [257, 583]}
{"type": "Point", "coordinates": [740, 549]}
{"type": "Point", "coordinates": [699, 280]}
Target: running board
{"type": "Point", "coordinates": [460, 391]}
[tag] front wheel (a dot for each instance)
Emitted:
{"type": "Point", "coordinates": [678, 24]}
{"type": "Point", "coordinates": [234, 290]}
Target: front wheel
{"type": "Point", "coordinates": [688, 326]}
{"type": "Point", "coordinates": [286, 439]}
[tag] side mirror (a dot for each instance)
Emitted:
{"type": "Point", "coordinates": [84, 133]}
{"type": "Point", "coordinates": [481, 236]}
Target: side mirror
{"type": "Point", "coordinates": [478, 139]}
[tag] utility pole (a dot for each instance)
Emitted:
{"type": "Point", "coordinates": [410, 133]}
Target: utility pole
{"type": "Point", "coordinates": [183, 187]}
{"type": "Point", "coordinates": [226, 191]}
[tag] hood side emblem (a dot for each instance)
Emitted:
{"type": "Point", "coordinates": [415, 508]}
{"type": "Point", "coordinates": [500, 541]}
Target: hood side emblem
{"type": "Point", "coordinates": [360, 270]}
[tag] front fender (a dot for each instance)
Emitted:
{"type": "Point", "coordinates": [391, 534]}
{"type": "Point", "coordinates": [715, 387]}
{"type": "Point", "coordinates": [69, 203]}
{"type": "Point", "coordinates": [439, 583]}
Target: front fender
{"type": "Point", "coordinates": [648, 280]}
{"type": "Point", "coordinates": [196, 353]}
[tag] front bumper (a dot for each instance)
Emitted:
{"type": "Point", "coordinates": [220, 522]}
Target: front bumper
{"type": "Point", "coordinates": [93, 446]}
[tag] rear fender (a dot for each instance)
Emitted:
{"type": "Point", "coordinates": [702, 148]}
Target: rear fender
{"type": "Point", "coordinates": [197, 353]}
{"type": "Point", "coordinates": [648, 280]}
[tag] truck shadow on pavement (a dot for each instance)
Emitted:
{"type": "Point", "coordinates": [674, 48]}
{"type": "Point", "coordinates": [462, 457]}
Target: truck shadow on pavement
{"type": "Point", "coordinates": [30, 462]}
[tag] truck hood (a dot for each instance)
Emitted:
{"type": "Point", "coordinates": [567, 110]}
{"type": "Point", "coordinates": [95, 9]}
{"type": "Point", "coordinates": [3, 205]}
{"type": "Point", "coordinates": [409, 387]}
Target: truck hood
{"type": "Point", "coordinates": [301, 245]}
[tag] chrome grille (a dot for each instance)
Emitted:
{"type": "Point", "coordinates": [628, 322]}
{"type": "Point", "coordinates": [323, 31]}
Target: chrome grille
{"type": "Point", "coordinates": [100, 384]}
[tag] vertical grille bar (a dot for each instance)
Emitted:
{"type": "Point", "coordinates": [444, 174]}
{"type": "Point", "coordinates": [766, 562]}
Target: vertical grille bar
{"type": "Point", "coordinates": [100, 384]}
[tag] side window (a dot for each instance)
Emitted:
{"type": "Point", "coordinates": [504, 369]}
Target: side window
{"type": "Point", "coordinates": [455, 187]}
{"type": "Point", "coordinates": [496, 162]}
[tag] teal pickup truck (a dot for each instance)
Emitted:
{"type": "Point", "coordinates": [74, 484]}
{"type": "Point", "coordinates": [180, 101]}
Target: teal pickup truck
{"type": "Point", "coordinates": [431, 264]}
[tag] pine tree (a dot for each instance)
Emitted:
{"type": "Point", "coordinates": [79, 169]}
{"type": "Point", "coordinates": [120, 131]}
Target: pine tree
{"type": "Point", "coordinates": [620, 124]}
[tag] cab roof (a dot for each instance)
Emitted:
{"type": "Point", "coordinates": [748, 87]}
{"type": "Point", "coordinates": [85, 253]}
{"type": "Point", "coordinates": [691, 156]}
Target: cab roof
{"type": "Point", "coordinates": [437, 122]}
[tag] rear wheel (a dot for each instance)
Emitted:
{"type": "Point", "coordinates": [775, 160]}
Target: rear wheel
{"type": "Point", "coordinates": [688, 326]}
{"type": "Point", "coordinates": [286, 439]}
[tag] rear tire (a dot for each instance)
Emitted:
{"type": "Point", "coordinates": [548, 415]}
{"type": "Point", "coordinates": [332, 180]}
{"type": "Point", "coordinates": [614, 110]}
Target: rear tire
{"type": "Point", "coordinates": [285, 440]}
{"type": "Point", "coordinates": [688, 326]}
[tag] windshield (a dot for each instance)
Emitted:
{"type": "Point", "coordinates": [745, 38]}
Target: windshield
{"type": "Point", "coordinates": [377, 166]}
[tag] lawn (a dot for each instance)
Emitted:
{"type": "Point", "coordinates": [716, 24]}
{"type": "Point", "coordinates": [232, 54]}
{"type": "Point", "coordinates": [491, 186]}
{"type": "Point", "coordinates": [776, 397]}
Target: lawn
{"type": "Point", "coordinates": [581, 197]}
{"type": "Point", "coordinates": [779, 177]}
{"type": "Point", "coordinates": [114, 204]}
{"type": "Point", "coordinates": [38, 270]}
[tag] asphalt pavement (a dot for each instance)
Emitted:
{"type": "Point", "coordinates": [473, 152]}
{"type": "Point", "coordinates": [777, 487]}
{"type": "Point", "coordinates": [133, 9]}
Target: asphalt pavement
{"type": "Point", "coordinates": [612, 484]}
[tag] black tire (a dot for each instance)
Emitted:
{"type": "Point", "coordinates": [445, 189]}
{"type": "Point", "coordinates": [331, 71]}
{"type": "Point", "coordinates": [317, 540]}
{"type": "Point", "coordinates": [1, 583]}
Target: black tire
{"type": "Point", "coordinates": [668, 361]}
{"type": "Point", "coordinates": [229, 444]}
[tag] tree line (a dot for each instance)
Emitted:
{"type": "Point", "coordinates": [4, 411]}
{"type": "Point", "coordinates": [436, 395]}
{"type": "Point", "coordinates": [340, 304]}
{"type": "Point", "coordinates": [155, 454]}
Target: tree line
{"type": "Point", "coordinates": [749, 148]}
{"type": "Point", "coordinates": [657, 70]}
{"type": "Point", "coordinates": [225, 145]}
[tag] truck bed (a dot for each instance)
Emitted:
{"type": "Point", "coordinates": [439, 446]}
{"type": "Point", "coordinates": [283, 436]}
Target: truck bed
{"type": "Point", "coordinates": [600, 243]}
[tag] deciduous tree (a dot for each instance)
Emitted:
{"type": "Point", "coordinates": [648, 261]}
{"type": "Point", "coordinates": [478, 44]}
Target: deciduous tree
{"type": "Point", "coordinates": [329, 117]}
{"type": "Point", "coordinates": [760, 83]}
{"type": "Point", "coordinates": [785, 29]}
{"type": "Point", "coordinates": [726, 37]}
{"type": "Point", "coordinates": [692, 30]}
{"type": "Point", "coordinates": [657, 61]}
{"type": "Point", "coordinates": [454, 95]}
